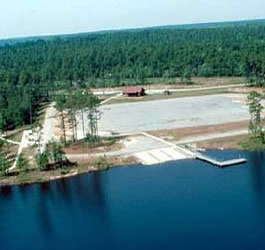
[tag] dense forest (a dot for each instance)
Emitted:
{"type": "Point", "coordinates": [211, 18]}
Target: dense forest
{"type": "Point", "coordinates": [29, 70]}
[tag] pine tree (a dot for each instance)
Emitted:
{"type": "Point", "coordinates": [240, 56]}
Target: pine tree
{"type": "Point", "coordinates": [255, 109]}
{"type": "Point", "coordinates": [4, 163]}
{"type": "Point", "coordinates": [42, 159]}
{"type": "Point", "coordinates": [22, 163]}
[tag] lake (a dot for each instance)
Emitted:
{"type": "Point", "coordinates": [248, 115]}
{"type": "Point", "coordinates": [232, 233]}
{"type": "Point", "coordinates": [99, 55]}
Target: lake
{"type": "Point", "coordinates": [178, 205]}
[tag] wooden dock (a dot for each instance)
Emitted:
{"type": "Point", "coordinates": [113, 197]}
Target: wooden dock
{"type": "Point", "coordinates": [219, 163]}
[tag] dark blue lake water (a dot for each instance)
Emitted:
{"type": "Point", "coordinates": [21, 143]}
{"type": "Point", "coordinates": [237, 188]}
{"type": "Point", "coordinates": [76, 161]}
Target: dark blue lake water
{"type": "Point", "coordinates": [179, 205]}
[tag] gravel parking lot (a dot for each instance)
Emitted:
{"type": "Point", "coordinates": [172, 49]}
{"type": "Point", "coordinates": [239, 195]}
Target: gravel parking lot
{"type": "Point", "coordinates": [173, 113]}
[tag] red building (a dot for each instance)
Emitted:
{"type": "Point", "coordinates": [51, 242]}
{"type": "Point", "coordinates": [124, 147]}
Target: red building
{"type": "Point", "coordinates": [133, 91]}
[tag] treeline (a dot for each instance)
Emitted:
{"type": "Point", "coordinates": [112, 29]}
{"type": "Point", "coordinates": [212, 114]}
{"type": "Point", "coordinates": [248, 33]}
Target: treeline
{"type": "Point", "coordinates": [19, 102]}
{"type": "Point", "coordinates": [29, 71]}
{"type": "Point", "coordinates": [227, 51]}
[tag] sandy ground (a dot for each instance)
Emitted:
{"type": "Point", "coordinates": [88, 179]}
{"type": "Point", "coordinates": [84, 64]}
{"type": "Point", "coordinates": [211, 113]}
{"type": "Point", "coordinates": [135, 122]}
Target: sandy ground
{"type": "Point", "coordinates": [223, 143]}
{"type": "Point", "coordinates": [212, 136]}
{"type": "Point", "coordinates": [221, 136]}
{"type": "Point", "coordinates": [182, 134]}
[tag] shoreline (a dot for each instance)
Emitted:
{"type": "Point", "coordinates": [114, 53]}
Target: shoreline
{"type": "Point", "coordinates": [77, 171]}
{"type": "Point", "coordinates": [54, 175]}
{"type": "Point", "coordinates": [91, 164]}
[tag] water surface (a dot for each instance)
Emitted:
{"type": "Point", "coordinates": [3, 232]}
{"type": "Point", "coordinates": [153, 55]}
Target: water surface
{"type": "Point", "coordinates": [179, 205]}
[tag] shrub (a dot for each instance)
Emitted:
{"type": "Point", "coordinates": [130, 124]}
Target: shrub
{"type": "Point", "coordinates": [42, 160]}
{"type": "Point", "coordinates": [102, 163]}
{"type": "Point", "coordinates": [253, 143]}
{"type": "Point", "coordinates": [22, 163]}
{"type": "Point", "coordinates": [4, 164]}
{"type": "Point", "coordinates": [65, 170]}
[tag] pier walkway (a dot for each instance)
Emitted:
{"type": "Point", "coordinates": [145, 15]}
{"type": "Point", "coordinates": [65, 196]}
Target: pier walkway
{"type": "Point", "coordinates": [219, 163]}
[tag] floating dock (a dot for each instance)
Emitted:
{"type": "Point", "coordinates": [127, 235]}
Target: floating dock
{"type": "Point", "coordinates": [219, 163]}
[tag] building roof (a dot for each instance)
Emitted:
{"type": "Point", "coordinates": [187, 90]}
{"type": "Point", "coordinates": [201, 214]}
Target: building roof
{"type": "Point", "coordinates": [133, 90]}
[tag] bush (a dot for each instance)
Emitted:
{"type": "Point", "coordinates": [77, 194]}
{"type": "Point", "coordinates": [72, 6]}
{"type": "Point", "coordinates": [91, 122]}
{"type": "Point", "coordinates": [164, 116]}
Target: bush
{"type": "Point", "coordinates": [4, 164]}
{"type": "Point", "coordinates": [65, 170]}
{"type": "Point", "coordinates": [57, 153]}
{"type": "Point", "coordinates": [22, 163]}
{"type": "Point", "coordinates": [91, 140]}
{"type": "Point", "coordinates": [42, 160]}
{"type": "Point", "coordinates": [23, 179]}
{"type": "Point", "coordinates": [112, 140]}
{"type": "Point", "coordinates": [102, 163]}
{"type": "Point", "coordinates": [253, 143]}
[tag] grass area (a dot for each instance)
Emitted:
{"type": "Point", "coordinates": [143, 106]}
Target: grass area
{"type": "Point", "coordinates": [252, 143]}
{"type": "Point", "coordinates": [233, 142]}
{"type": "Point", "coordinates": [23, 178]}
{"type": "Point", "coordinates": [216, 81]}
{"type": "Point", "coordinates": [203, 81]}
{"type": "Point", "coordinates": [172, 96]}
{"type": "Point", "coordinates": [10, 150]}
{"type": "Point", "coordinates": [155, 82]}
{"type": "Point", "coordinates": [29, 154]}
{"type": "Point", "coordinates": [245, 142]}
{"type": "Point", "coordinates": [105, 144]}
{"type": "Point", "coordinates": [16, 135]}
{"type": "Point", "coordinates": [102, 163]}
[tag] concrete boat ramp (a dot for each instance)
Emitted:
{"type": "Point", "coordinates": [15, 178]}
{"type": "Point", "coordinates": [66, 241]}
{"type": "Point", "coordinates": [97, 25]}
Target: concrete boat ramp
{"type": "Point", "coordinates": [161, 155]}
{"type": "Point", "coordinates": [174, 152]}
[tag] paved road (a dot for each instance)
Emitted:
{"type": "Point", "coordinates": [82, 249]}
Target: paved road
{"type": "Point", "coordinates": [161, 91]}
{"type": "Point", "coordinates": [23, 144]}
{"type": "Point", "coordinates": [9, 141]}
{"type": "Point", "coordinates": [173, 113]}
{"type": "Point", "coordinates": [48, 127]}
{"type": "Point", "coordinates": [113, 97]}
